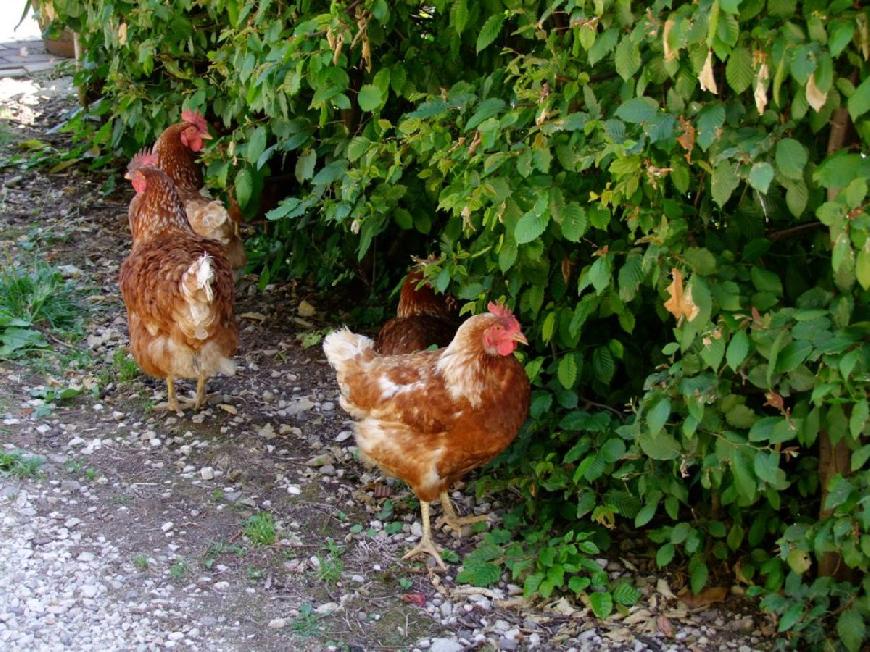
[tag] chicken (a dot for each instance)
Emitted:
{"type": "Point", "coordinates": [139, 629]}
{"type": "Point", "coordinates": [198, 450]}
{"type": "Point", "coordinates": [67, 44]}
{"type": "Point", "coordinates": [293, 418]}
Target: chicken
{"type": "Point", "coordinates": [430, 417]}
{"type": "Point", "coordinates": [175, 149]}
{"type": "Point", "coordinates": [177, 287]}
{"type": "Point", "coordinates": [422, 319]}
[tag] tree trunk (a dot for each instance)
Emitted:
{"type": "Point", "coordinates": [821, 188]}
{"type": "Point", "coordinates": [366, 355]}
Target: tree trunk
{"type": "Point", "coordinates": [833, 458]}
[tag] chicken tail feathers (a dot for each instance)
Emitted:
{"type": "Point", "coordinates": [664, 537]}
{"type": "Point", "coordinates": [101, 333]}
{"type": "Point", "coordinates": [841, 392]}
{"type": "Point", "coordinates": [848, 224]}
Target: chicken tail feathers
{"type": "Point", "coordinates": [341, 346]}
{"type": "Point", "coordinates": [196, 287]}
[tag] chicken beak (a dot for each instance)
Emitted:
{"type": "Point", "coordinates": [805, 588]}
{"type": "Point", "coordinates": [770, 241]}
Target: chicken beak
{"type": "Point", "coordinates": [519, 337]}
{"type": "Point", "coordinates": [128, 176]}
{"type": "Point", "coordinates": [205, 135]}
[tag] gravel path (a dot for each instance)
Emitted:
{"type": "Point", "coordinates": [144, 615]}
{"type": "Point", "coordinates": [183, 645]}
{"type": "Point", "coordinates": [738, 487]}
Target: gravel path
{"type": "Point", "coordinates": [64, 588]}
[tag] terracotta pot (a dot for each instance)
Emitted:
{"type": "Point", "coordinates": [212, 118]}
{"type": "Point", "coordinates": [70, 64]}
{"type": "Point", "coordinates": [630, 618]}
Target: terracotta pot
{"type": "Point", "coordinates": [61, 47]}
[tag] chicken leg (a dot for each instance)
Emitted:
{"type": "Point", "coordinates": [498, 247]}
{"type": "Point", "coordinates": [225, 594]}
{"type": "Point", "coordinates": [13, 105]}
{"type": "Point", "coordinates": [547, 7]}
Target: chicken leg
{"type": "Point", "coordinates": [171, 401]}
{"type": "Point", "coordinates": [450, 518]}
{"type": "Point", "coordinates": [200, 391]}
{"type": "Point", "coordinates": [426, 546]}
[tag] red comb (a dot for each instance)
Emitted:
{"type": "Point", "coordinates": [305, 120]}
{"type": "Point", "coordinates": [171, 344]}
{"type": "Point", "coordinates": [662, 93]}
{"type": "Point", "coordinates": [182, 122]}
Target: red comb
{"type": "Point", "coordinates": [144, 157]}
{"type": "Point", "coordinates": [195, 118]}
{"type": "Point", "coordinates": [499, 310]}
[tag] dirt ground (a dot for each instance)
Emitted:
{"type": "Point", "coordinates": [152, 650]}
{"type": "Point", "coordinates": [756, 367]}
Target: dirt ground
{"type": "Point", "coordinates": [174, 495]}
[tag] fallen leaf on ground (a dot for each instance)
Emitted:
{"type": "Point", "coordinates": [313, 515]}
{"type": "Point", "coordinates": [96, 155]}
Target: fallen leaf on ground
{"type": "Point", "coordinates": [705, 598]}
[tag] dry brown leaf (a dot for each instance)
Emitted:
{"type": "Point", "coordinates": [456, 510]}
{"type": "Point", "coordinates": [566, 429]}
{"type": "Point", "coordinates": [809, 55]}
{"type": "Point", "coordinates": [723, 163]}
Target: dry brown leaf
{"type": "Point", "coordinates": [705, 598]}
{"type": "Point", "coordinates": [305, 309]}
{"type": "Point", "coordinates": [122, 34]}
{"type": "Point", "coordinates": [567, 266]}
{"type": "Point", "coordinates": [815, 97]}
{"type": "Point", "coordinates": [680, 303]}
{"type": "Point", "coordinates": [664, 589]}
{"type": "Point", "coordinates": [687, 138]}
{"type": "Point", "coordinates": [775, 401]}
{"type": "Point", "coordinates": [226, 407]}
{"type": "Point", "coordinates": [706, 77]}
{"type": "Point", "coordinates": [258, 316]}
{"type": "Point", "coordinates": [670, 54]}
{"type": "Point", "coordinates": [665, 627]}
{"type": "Point", "coordinates": [761, 78]}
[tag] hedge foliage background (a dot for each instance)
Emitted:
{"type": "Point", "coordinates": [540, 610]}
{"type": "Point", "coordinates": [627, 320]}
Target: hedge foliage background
{"type": "Point", "coordinates": [673, 195]}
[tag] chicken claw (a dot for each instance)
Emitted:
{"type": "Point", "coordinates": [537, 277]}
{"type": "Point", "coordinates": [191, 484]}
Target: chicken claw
{"type": "Point", "coordinates": [200, 392]}
{"type": "Point", "coordinates": [454, 522]}
{"type": "Point", "coordinates": [426, 546]}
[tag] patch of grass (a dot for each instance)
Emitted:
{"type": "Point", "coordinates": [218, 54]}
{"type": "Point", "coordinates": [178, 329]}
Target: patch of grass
{"type": "Point", "coordinates": [305, 624]}
{"type": "Point", "coordinates": [33, 297]}
{"type": "Point", "coordinates": [217, 495]}
{"type": "Point", "coordinates": [52, 397]}
{"type": "Point", "coordinates": [73, 466]}
{"type": "Point", "coordinates": [91, 473]}
{"type": "Point", "coordinates": [178, 570]}
{"type": "Point", "coordinates": [141, 562]}
{"type": "Point", "coordinates": [255, 574]}
{"type": "Point", "coordinates": [19, 465]}
{"type": "Point", "coordinates": [126, 368]}
{"type": "Point", "coordinates": [331, 566]}
{"type": "Point", "coordinates": [260, 529]}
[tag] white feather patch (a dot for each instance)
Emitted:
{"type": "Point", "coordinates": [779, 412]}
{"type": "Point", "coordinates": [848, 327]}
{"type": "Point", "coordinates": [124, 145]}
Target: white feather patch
{"type": "Point", "coordinates": [342, 345]}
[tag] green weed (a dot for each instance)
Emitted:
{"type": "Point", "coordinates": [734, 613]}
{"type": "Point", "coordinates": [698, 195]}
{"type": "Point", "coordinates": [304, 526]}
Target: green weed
{"type": "Point", "coordinates": [19, 465]}
{"type": "Point", "coordinates": [260, 529]}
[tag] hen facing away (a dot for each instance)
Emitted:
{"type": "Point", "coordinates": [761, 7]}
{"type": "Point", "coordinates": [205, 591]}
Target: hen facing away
{"type": "Point", "coordinates": [175, 149]}
{"type": "Point", "coordinates": [430, 417]}
{"type": "Point", "coordinates": [177, 287]}
{"type": "Point", "coordinates": [423, 318]}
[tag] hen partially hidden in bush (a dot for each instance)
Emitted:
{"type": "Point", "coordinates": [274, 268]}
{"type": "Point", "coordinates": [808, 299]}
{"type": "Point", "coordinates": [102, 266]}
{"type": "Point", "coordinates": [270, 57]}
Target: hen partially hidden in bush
{"type": "Point", "coordinates": [423, 318]}
{"type": "Point", "coordinates": [430, 417]}
{"type": "Point", "coordinates": [175, 149]}
{"type": "Point", "coordinates": [177, 287]}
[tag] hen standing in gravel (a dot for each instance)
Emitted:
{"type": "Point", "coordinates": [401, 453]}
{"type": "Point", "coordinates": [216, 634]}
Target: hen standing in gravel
{"type": "Point", "coordinates": [175, 149]}
{"type": "Point", "coordinates": [431, 417]}
{"type": "Point", "coordinates": [177, 286]}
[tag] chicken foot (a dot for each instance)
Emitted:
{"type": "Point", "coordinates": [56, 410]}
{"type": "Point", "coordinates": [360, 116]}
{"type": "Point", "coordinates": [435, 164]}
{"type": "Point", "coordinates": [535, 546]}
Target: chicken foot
{"type": "Point", "coordinates": [200, 391]}
{"type": "Point", "coordinates": [452, 520]}
{"type": "Point", "coordinates": [175, 404]}
{"type": "Point", "coordinates": [426, 546]}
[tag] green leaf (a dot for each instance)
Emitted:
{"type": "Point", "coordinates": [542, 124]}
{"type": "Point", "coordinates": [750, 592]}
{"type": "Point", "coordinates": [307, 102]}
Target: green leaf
{"type": "Point", "coordinates": [305, 165]}
{"type": "Point", "coordinates": [574, 222]}
{"type": "Point", "coordinates": [479, 573]}
{"type": "Point", "coordinates": [459, 16]}
{"type": "Point", "coordinates": [738, 349]}
{"type": "Point", "coordinates": [637, 110]}
{"type": "Point", "coordinates": [697, 576]}
{"type": "Point", "coordinates": [603, 365]}
{"type": "Point", "coordinates": [862, 265]}
{"type": "Point", "coordinates": [851, 629]}
{"type": "Point", "coordinates": [840, 35]}
{"type": "Point", "coordinates": [256, 145]}
{"type": "Point", "coordinates": [370, 97]}
{"type": "Point", "coordinates": [627, 58]}
{"type": "Point", "coordinates": [646, 513]}
{"type": "Point", "coordinates": [760, 177]}
{"type": "Point", "coordinates": [599, 273]}
{"type": "Point", "coordinates": [658, 415]}
{"type": "Point", "coordinates": [530, 227]}
{"type": "Point", "coordinates": [858, 420]}
{"type": "Point", "coordinates": [665, 555]}
{"type": "Point", "coordinates": [859, 103]}
{"type": "Point", "coordinates": [724, 182]}
{"type": "Point", "coordinates": [487, 109]}
{"type": "Point", "coordinates": [604, 43]}
{"type": "Point", "coordinates": [738, 71]}
{"type": "Point", "coordinates": [766, 281]}
{"type": "Point", "coordinates": [710, 121]}
{"type": "Point", "coordinates": [601, 603]}
{"type": "Point", "coordinates": [626, 594]}
{"type": "Point", "coordinates": [490, 31]}
{"type": "Point", "coordinates": [859, 458]}
{"type": "Point", "coordinates": [244, 187]}
{"type": "Point", "coordinates": [613, 450]}
{"type": "Point", "coordinates": [567, 371]}
{"type": "Point", "coordinates": [791, 158]}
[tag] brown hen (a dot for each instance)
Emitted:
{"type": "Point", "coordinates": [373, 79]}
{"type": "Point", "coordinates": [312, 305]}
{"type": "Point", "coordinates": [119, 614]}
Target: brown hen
{"type": "Point", "coordinates": [175, 149]}
{"type": "Point", "coordinates": [423, 319]}
{"type": "Point", "coordinates": [177, 287]}
{"type": "Point", "coordinates": [430, 417]}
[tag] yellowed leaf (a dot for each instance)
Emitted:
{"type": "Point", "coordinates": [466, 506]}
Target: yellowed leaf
{"type": "Point", "coordinates": [670, 54]}
{"type": "Point", "coordinates": [815, 97]}
{"type": "Point", "coordinates": [680, 303]}
{"type": "Point", "coordinates": [122, 34]}
{"type": "Point", "coordinates": [706, 77]}
{"type": "Point", "coordinates": [258, 316]}
{"type": "Point", "coordinates": [761, 78]}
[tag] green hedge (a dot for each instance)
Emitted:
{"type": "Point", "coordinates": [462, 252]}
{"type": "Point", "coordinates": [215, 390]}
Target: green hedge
{"type": "Point", "coordinates": [673, 196]}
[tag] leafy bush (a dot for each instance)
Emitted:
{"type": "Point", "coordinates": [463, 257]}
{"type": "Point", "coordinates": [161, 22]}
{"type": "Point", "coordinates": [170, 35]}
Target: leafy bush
{"type": "Point", "coordinates": [673, 197]}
